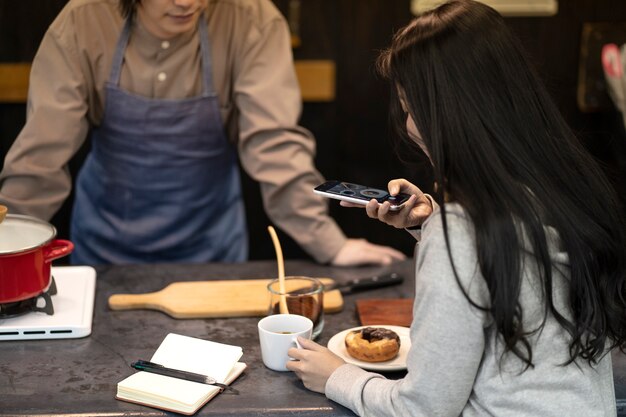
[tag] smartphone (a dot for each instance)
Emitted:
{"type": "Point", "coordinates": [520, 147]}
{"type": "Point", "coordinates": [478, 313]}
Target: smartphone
{"type": "Point", "coordinates": [359, 194]}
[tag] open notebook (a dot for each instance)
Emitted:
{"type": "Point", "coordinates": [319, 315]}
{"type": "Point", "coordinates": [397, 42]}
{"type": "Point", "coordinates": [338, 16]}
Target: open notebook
{"type": "Point", "coordinates": [185, 353]}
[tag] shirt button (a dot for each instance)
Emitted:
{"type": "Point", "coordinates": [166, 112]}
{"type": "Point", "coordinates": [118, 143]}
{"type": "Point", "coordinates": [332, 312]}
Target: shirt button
{"type": "Point", "coordinates": [165, 44]}
{"type": "Point", "coordinates": [161, 76]}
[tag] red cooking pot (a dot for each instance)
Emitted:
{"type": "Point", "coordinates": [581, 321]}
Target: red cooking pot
{"type": "Point", "coordinates": [27, 248]}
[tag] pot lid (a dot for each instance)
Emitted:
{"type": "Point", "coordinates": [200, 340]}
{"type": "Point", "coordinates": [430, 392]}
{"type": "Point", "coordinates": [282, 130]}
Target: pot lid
{"type": "Point", "coordinates": [20, 233]}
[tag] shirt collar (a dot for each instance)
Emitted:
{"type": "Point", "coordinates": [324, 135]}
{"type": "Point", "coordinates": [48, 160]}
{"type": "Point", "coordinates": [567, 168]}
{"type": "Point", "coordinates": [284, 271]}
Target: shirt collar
{"type": "Point", "coordinates": [149, 45]}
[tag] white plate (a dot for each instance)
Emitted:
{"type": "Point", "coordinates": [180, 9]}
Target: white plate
{"type": "Point", "coordinates": [336, 344]}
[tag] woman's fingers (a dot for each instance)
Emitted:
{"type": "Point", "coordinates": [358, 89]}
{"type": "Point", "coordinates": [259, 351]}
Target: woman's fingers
{"type": "Point", "coordinates": [344, 203]}
{"type": "Point", "coordinates": [309, 344]}
{"type": "Point", "coordinates": [401, 185]}
{"type": "Point", "coordinates": [398, 218]}
{"type": "Point", "coordinates": [372, 209]}
{"type": "Point", "coordinates": [412, 213]}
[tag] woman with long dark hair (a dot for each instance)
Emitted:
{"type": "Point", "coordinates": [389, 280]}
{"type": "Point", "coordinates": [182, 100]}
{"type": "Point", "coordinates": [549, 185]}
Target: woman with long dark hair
{"type": "Point", "coordinates": [521, 267]}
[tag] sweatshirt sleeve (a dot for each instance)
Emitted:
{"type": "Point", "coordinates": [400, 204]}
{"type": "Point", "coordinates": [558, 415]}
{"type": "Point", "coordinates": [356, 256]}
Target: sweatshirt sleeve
{"type": "Point", "coordinates": [447, 336]}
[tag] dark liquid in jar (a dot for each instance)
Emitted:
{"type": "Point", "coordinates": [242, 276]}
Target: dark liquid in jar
{"type": "Point", "coordinates": [305, 305]}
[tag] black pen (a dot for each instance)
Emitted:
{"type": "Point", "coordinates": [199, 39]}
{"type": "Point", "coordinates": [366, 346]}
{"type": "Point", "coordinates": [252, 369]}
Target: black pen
{"type": "Point", "coordinates": [156, 368]}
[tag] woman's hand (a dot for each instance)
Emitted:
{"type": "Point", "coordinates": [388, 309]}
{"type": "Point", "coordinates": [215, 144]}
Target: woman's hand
{"type": "Point", "coordinates": [412, 213]}
{"type": "Point", "coordinates": [314, 364]}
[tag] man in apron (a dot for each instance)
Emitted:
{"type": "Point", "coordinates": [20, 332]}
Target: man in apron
{"type": "Point", "coordinates": [155, 86]}
{"type": "Point", "coordinates": [149, 155]}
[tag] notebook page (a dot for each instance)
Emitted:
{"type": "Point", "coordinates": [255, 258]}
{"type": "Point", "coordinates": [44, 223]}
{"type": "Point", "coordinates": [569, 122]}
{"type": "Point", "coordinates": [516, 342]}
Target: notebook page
{"type": "Point", "coordinates": [165, 391]}
{"type": "Point", "coordinates": [196, 355]}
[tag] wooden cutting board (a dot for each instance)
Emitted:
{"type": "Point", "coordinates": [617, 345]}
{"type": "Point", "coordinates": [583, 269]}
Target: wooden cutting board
{"type": "Point", "coordinates": [205, 299]}
{"type": "Point", "coordinates": [390, 311]}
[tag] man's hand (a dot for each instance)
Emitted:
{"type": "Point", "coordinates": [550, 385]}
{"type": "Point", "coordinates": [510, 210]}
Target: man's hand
{"type": "Point", "coordinates": [361, 252]}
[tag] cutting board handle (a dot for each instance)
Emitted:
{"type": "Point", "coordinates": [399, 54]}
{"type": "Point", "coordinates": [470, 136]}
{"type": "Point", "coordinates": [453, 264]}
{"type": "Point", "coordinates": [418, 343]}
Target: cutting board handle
{"type": "Point", "coordinates": [134, 301]}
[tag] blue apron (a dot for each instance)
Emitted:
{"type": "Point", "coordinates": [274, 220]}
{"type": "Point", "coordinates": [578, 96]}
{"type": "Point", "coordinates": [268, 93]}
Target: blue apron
{"type": "Point", "coordinates": [161, 183]}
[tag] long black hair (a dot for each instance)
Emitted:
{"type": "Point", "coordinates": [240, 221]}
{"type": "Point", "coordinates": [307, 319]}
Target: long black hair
{"type": "Point", "coordinates": [501, 149]}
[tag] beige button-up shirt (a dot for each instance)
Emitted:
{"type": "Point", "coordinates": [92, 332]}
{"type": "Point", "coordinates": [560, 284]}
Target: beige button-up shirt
{"type": "Point", "coordinates": [253, 75]}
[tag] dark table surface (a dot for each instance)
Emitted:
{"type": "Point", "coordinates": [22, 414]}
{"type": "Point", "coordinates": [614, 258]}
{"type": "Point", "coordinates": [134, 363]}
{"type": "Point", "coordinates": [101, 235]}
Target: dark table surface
{"type": "Point", "coordinates": [78, 377]}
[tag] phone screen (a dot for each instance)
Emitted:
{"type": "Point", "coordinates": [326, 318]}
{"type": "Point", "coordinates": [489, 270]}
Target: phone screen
{"type": "Point", "coordinates": [351, 191]}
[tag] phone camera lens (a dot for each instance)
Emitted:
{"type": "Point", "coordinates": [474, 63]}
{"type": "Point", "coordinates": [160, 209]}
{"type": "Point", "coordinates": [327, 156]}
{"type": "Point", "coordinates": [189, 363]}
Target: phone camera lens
{"type": "Point", "coordinates": [373, 193]}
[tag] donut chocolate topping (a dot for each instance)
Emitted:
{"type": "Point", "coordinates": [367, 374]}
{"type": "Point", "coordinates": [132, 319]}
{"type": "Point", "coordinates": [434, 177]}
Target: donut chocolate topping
{"type": "Point", "coordinates": [378, 333]}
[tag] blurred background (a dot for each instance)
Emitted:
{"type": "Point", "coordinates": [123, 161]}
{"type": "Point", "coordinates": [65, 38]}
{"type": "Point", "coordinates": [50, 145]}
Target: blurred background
{"type": "Point", "coordinates": [335, 44]}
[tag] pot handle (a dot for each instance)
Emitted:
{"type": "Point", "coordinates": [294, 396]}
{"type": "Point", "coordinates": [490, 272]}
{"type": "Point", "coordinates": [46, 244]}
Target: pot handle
{"type": "Point", "coordinates": [58, 248]}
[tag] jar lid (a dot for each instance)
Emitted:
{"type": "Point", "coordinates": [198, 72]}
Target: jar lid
{"type": "Point", "coordinates": [19, 233]}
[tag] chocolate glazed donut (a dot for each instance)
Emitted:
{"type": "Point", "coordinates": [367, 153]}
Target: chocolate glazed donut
{"type": "Point", "coordinates": [373, 344]}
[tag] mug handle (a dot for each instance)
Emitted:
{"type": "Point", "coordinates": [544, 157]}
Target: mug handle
{"type": "Point", "coordinates": [56, 249]}
{"type": "Point", "coordinates": [297, 345]}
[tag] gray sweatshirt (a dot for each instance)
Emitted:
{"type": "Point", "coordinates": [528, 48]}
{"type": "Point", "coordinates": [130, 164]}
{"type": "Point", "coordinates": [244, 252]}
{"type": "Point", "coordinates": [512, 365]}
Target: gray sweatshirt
{"type": "Point", "coordinates": [453, 364]}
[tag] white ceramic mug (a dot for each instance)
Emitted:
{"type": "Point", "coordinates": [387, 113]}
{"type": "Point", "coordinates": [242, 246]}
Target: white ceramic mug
{"type": "Point", "coordinates": [277, 334]}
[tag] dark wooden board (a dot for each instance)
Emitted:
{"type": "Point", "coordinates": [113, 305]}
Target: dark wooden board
{"type": "Point", "coordinates": [390, 311]}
